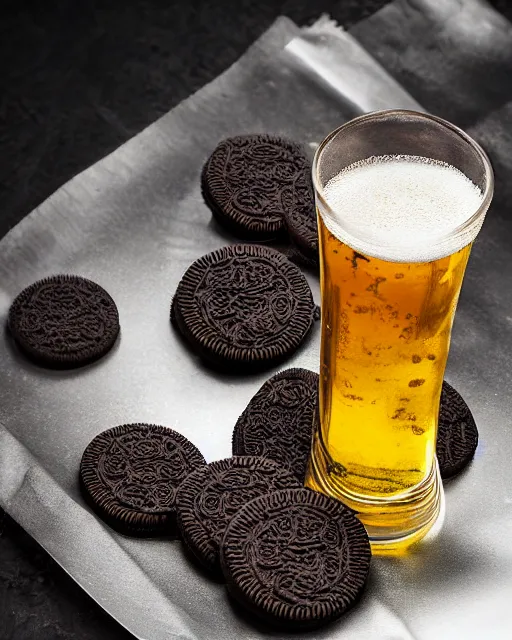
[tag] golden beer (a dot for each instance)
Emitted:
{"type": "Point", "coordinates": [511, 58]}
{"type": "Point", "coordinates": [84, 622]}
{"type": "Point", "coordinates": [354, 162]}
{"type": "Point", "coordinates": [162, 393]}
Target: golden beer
{"type": "Point", "coordinates": [395, 233]}
{"type": "Point", "coordinates": [385, 340]}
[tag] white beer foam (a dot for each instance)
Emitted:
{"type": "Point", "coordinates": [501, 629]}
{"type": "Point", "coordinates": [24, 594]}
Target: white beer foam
{"type": "Point", "coordinates": [402, 208]}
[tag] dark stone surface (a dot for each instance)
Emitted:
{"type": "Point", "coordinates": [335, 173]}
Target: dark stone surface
{"type": "Point", "coordinates": [78, 79]}
{"type": "Point", "coordinates": [39, 601]}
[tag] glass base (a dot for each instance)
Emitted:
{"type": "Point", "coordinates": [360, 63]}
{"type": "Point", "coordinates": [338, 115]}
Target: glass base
{"type": "Point", "coordinates": [393, 524]}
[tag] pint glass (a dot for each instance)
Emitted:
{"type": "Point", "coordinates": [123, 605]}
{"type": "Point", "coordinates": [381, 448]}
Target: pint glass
{"type": "Point", "coordinates": [400, 198]}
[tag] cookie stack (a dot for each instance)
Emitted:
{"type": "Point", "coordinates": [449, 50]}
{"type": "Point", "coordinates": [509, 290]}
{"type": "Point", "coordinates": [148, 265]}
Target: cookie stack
{"type": "Point", "coordinates": [259, 187]}
{"type": "Point", "coordinates": [295, 558]}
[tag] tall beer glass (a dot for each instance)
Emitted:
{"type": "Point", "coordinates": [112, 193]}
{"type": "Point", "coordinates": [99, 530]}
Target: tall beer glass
{"type": "Point", "coordinates": [400, 198]}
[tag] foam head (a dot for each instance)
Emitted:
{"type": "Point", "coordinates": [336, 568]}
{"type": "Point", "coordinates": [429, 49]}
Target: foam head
{"type": "Point", "coordinates": [402, 208]}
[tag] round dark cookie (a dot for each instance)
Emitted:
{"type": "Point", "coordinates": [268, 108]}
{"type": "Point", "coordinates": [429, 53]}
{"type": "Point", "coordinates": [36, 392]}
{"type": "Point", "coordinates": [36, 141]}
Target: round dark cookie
{"type": "Point", "coordinates": [210, 496]}
{"type": "Point", "coordinates": [129, 476]}
{"type": "Point", "coordinates": [457, 434]}
{"type": "Point", "coordinates": [243, 307]}
{"type": "Point", "coordinates": [249, 181]}
{"type": "Point", "coordinates": [64, 321]}
{"type": "Point", "coordinates": [277, 423]}
{"type": "Point", "coordinates": [300, 217]}
{"type": "Point", "coordinates": [296, 558]}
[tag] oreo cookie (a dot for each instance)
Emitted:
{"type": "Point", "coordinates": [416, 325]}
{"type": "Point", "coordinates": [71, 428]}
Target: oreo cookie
{"type": "Point", "coordinates": [210, 496]}
{"type": "Point", "coordinates": [295, 558]}
{"type": "Point", "coordinates": [457, 434]}
{"type": "Point", "coordinates": [64, 321]}
{"type": "Point", "coordinates": [129, 476]}
{"type": "Point", "coordinates": [243, 307]}
{"type": "Point", "coordinates": [249, 183]}
{"type": "Point", "coordinates": [300, 217]}
{"type": "Point", "coordinates": [278, 421]}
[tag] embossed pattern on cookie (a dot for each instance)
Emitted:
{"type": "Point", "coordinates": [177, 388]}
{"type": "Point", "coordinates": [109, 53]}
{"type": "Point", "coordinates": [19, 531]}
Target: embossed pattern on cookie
{"type": "Point", "coordinates": [296, 558]}
{"type": "Point", "coordinates": [243, 307]}
{"type": "Point", "coordinates": [300, 217]}
{"type": "Point", "coordinates": [64, 321]}
{"type": "Point", "coordinates": [250, 181]}
{"type": "Point", "coordinates": [210, 496]}
{"type": "Point", "coordinates": [278, 421]}
{"type": "Point", "coordinates": [457, 433]}
{"type": "Point", "coordinates": [129, 475]}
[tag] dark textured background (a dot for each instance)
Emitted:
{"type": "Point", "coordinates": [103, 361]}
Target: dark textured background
{"type": "Point", "coordinates": [78, 78]}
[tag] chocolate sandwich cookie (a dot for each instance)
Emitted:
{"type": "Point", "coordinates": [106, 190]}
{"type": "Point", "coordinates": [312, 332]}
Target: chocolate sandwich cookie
{"type": "Point", "coordinates": [243, 307]}
{"type": "Point", "coordinates": [277, 423]}
{"type": "Point", "coordinates": [210, 496]}
{"type": "Point", "coordinates": [64, 321]}
{"type": "Point", "coordinates": [300, 217]}
{"type": "Point", "coordinates": [249, 182]}
{"type": "Point", "coordinates": [295, 558]}
{"type": "Point", "coordinates": [129, 476]}
{"type": "Point", "coordinates": [457, 434]}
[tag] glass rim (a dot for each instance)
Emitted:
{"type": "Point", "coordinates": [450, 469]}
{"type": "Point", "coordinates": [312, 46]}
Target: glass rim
{"type": "Point", "coordinates": [488, 171]}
